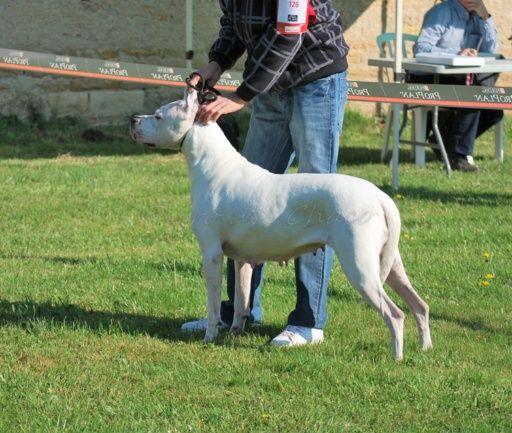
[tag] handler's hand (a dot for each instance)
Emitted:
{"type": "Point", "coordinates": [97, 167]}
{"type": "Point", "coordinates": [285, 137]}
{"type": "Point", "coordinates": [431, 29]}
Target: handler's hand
{"type": "Point", "coordinates": [228, 103]}
{"type": "Point", "coordinates": [470, 52]}
{"type": "Point", "coordinates": [210, 73]}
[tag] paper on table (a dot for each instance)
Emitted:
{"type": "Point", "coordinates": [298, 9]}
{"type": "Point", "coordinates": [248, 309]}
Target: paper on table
{"type": "Point", "coordinates": [450, 59]}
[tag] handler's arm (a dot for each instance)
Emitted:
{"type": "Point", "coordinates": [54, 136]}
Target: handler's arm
{"type": "Point", "coordinates": [227, 49]}
{"type": "Point", "coordinates": [269, 60]}
{"type": "Point", "coordinates": [271, 57]}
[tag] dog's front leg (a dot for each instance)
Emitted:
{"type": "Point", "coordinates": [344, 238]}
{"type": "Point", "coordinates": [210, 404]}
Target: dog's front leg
{"type": "Point", "coordinates": [212, 270]}
{"type": "Point", "coordinates": [243, 275]}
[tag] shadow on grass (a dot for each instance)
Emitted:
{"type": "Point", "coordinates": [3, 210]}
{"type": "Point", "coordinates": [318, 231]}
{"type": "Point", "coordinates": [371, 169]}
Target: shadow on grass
{"type": "Point", "coordinates": [26, 315]}
{"type": "Point", "coordinates": [475, 324]}
{"type": "Point", "coordinates": [40, 138]}
{"type": "Point", "coordinates": [464, 197]}
{"type": "Point", "coordinates": [74, 261]}
{"type": "Point", "coordinates": [66, 136]}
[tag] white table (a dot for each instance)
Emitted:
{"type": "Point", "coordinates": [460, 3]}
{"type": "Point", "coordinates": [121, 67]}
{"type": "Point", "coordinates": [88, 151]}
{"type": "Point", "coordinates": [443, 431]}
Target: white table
{"type": "Point", "coordinates": [491, 65]}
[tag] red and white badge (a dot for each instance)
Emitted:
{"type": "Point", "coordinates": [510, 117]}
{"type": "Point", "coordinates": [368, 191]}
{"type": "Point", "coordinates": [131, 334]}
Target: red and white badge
{"type": "Point", "coordinates": [293, 16]}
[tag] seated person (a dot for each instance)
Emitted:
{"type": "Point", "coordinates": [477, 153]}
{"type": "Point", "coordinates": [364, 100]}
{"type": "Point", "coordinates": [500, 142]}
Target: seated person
{"type": "Point", "coordinates": [462, 27]}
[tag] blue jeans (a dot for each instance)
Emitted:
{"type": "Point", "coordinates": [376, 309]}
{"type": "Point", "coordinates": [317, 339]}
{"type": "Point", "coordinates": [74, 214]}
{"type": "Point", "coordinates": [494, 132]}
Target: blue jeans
{"type": "Point", "coordinates": [305, 123]}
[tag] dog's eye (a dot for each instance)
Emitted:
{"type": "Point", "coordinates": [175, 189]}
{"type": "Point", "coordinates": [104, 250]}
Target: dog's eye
{"type": "Point", "coordinates": [158, 116]}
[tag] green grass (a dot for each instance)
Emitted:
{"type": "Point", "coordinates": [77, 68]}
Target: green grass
{"type": "Point", "coordinates": [99, 268]}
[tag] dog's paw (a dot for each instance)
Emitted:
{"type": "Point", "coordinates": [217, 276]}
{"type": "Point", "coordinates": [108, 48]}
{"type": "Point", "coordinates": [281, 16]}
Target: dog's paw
{"type": "Point", "coordinates": [236, 330]}
{"type": "Point", "coordinates": [238, 326]}
{"type": "Point", "coordinates": [425, 338]}
{"type": "Point", "coordinates": [426, 344]}
{"type": "Point", "coordinates": [210, 337]}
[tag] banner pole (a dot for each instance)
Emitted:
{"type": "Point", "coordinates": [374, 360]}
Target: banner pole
{"type": "Point", "coordinates": [397, 79]}
{"type": "Point", "coordinates": [189, 34]}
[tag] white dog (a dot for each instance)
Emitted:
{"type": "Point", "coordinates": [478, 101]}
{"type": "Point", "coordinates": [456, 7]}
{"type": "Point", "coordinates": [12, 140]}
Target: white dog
{"type": "Point", "coordinates": [251, 215]}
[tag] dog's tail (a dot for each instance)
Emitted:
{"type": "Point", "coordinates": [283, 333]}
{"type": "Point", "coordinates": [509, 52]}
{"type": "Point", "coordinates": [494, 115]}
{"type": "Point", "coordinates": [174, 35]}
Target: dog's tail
{"type": "Point", "coordinates": [390, 249]}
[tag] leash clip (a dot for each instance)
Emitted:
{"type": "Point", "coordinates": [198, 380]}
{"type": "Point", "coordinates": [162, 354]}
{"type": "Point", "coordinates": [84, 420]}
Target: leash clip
{"type": "Point", "coordinates": [205, 93]}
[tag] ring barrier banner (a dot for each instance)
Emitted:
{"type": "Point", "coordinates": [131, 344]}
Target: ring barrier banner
{"type": "Point", "coordinates": [432, 94]}
{"type": "Point", "coordinates": [104, 69]}
{"type": "Point", "coordinates": [397, 93]}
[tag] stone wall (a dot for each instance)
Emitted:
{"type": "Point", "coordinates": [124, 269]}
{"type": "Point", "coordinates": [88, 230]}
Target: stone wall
{"type": "Point", "coordinates": [153, 32]}
{"type": "Point", "coordinates": [149, 32]}
{"type": "Point", "coordinates": [367, 19]}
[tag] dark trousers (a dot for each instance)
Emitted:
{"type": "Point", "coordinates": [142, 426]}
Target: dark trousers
{"type": "Point", "coordinates": [460, 127]}
{"type": "Point", "coordinates": [465, 126]}
{"type": "Point", "coordinates": [227, 308]}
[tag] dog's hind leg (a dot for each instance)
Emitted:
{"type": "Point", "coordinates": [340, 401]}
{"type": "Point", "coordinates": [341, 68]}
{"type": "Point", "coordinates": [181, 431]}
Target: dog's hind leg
{"type": "Point", "coordinates": [400, 283]}
{"type": "Point", "coordinates": [212, 270]}
{"type": "Point", "coordinates": [363, 274]}
{"type": "Point", "coordinates": [243, 274]}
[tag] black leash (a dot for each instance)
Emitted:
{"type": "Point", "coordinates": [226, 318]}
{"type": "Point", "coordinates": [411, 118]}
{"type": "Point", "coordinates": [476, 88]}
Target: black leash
{"type": "Point", "coordinates": [205, 93]}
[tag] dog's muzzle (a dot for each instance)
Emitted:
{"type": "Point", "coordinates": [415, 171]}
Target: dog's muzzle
{"type": "Point", "coordinates": [135, 123]}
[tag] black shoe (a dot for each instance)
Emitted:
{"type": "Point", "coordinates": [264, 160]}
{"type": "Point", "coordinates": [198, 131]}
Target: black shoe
{"type": "Point", "coordinates": [461, 163]}
{"type": "Point", "coordinates": [438, 154]}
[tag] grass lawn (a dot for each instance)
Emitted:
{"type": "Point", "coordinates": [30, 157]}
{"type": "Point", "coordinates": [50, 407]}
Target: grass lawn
{"type": "Point", "coordinates": [99, 268]}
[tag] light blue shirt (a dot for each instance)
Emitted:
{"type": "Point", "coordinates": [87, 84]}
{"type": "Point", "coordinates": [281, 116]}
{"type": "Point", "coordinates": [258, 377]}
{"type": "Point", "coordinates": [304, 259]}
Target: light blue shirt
{"type": "Point", "coordinates": [449, 28]}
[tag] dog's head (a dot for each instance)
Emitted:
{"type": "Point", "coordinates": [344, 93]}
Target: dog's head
{"type": "Point", "coordinates": [168, 126]}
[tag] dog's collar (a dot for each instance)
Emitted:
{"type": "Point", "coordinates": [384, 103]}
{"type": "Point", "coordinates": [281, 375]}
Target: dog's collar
{"type": "Point", "coordinates": [205, 93]}
{"type": "Point", "coordinates": [183, 140]}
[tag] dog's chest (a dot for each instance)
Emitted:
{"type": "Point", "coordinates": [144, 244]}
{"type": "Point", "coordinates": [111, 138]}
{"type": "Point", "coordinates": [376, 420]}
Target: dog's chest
{"type": "Point", "coordinates": [268, 252]}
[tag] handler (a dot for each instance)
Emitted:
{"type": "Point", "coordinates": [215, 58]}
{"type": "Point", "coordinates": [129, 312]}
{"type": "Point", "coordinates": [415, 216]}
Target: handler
{"type": "Point", "coordinates": [295, 76]}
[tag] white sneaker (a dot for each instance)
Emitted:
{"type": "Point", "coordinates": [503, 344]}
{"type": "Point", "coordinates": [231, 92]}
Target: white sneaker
{"type": "Point", "coordinates": [200, 325]}
{"type": "Point", "coordinates": [298, 336]}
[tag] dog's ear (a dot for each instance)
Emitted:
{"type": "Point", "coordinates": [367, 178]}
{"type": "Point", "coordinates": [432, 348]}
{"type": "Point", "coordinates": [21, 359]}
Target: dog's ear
{"type": "Point", "coordinates": [191, 99]}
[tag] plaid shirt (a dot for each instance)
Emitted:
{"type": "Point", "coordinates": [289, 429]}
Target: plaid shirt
{"type": "Point", "coordinates": [276, 61]}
